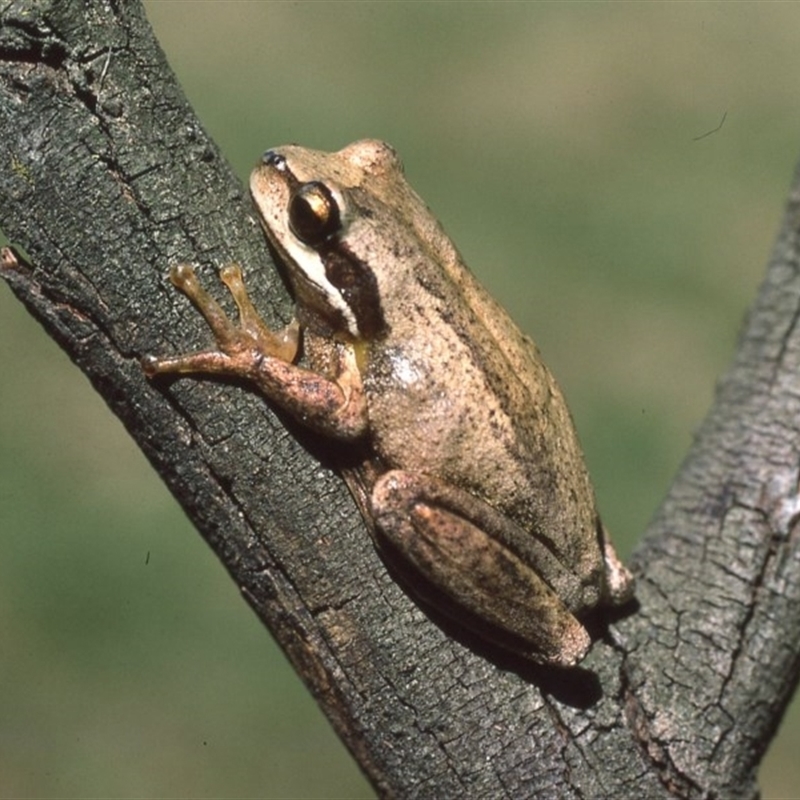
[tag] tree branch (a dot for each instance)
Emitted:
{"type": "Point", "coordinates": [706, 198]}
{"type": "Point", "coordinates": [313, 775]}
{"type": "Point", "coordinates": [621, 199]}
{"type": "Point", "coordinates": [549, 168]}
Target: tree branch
{"type": "Point", "coordinates": [107, 180]}
{"type": "Point", "coordinates": [720, 591]}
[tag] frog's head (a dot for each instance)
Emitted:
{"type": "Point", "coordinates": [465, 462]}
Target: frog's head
{"type": "Point", "coordinates": [341, 223]}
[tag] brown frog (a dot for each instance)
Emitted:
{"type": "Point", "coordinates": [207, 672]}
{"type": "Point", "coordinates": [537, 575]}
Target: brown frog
{"type": "Point", "coordinates": [469, 472]}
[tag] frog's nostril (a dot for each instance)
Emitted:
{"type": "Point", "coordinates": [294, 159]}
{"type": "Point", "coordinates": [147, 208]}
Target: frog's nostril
{"type": "Point", "coordinates": [273, 159]}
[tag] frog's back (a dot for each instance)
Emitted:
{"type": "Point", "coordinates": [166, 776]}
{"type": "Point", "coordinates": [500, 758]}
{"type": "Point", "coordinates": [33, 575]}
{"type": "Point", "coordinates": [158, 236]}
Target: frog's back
{"type": "Point", "coordinates": [462, 394]}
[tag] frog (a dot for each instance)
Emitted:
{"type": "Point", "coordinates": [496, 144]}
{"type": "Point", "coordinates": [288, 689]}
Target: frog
{"type": "Point", "coordinates": [457, 444]}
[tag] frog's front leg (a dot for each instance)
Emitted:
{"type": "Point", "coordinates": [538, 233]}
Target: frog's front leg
{"type": "Point", "coordinates": [459, 545]}
{"type": "Point", "coordinates": [249, 349]}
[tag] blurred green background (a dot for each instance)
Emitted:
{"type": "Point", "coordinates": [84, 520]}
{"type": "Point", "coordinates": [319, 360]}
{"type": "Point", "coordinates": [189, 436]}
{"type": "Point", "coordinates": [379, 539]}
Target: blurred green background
{"type": "Point", "coordinates": [562, 146]}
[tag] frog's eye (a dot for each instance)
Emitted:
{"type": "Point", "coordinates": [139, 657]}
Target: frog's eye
{"type": "Point", "coordinates": [313, 213]}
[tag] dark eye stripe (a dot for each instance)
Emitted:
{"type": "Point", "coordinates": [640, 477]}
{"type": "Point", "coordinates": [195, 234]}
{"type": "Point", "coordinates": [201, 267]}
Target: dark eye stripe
{"type": "Point", "coordinates": [357, 285]}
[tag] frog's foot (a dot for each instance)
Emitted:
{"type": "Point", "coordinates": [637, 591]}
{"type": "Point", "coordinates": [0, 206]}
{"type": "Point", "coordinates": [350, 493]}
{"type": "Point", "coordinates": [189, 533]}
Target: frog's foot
{"type": "Point", "coordinates": [458, 545]}
{"type": "Point", "coordinates": [241, 345]}
{"type": "Point", "coordinates": [620, 583]}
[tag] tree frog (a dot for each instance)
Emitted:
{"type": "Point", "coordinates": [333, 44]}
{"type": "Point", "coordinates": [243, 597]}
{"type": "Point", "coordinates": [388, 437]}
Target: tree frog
{"type": "Point", "coordinates": [459, 448]}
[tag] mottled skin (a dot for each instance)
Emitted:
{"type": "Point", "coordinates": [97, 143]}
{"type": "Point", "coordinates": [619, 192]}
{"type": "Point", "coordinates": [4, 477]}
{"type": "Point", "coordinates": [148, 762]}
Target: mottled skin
{"type": "Point", "coordinates": [471, 472]}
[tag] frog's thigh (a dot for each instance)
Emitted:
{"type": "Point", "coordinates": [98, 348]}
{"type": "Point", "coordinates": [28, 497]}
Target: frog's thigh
{"type": "Point", "coordinates": [442, 532]}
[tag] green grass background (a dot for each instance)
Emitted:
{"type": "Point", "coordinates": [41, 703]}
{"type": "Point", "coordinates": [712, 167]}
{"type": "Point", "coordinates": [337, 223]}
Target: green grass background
{"type": "Point", "coordinates": [560, 145]}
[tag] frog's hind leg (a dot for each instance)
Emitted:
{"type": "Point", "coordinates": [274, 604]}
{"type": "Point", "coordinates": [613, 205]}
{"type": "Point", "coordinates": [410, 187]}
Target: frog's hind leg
{"type": "Point", "coordinates": [455, 544]}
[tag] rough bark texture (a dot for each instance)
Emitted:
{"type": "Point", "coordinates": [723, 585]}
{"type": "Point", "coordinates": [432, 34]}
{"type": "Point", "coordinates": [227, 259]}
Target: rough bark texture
{"type": "Point", "coordinates": [106, 178]}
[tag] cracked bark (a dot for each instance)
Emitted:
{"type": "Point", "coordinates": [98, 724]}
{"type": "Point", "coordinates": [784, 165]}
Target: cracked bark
{"type": "Point", "coordinates": [677, 699]}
